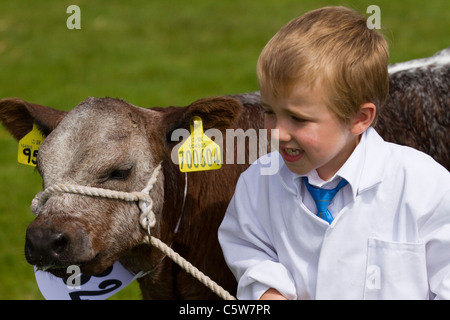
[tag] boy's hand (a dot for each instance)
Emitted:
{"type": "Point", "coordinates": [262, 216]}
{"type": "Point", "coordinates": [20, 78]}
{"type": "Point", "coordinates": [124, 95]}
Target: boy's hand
{"type": "Point", "coordinates": [272, 294]}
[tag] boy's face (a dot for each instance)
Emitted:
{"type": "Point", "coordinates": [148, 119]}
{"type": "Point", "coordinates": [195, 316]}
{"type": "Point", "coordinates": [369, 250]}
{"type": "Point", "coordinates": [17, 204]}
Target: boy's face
{"type": "Point", "coordinates": [311, 136]}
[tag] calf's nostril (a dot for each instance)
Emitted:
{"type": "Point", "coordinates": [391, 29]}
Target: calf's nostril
{"type": "Point", "coordinates": [59, 243]}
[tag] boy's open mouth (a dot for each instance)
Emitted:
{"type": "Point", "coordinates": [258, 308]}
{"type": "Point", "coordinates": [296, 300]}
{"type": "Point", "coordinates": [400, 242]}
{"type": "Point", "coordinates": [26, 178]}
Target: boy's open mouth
{"type": "Point", "coordinates": [291, 154]}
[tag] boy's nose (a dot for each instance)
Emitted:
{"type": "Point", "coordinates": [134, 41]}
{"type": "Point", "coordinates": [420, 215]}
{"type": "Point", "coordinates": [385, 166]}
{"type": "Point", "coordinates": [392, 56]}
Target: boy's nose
{"type": "Point", "coordinates": [282, 132]}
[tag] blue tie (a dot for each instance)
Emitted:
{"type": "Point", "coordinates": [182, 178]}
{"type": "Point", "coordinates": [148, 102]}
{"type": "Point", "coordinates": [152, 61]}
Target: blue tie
{"type": "Point", "coordinates": [323, 197]}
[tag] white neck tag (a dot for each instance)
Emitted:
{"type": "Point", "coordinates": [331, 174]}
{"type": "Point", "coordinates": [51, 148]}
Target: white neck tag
{"type": "Point", "coordinates": [81, 287]}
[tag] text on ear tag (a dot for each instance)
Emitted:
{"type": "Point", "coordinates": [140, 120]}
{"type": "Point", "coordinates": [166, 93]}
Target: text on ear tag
{"type": "Point", "coordinates": [199, 152]}
{"type": "Point", "coordinates": [29, 146]}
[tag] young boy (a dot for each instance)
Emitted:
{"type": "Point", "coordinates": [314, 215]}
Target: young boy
{"type": "Point", "coordinates": [383, 231]}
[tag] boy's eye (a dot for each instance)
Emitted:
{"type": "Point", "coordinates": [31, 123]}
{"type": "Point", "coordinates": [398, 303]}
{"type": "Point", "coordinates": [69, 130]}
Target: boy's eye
{"type": "Point", "coordinates": [297, 119]}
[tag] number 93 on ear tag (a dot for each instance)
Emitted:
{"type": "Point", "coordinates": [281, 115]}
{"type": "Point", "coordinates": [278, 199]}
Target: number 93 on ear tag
{"type": "Point", "coordinates": [199, 152]}
{"type": "Point", "coordinates": [29, 146]}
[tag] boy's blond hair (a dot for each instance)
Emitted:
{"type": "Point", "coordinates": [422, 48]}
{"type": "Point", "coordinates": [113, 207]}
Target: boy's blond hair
{"type": "Point", "coordinates": [334, 47]}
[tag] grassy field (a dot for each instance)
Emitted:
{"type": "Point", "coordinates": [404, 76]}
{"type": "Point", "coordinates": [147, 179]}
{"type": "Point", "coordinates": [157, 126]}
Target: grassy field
{"type": "Point", "coordinates": [150, 53]}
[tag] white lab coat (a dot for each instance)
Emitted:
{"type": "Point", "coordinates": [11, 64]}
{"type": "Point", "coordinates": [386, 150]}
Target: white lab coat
{"type": "Point", "coordinates": [390, 240]}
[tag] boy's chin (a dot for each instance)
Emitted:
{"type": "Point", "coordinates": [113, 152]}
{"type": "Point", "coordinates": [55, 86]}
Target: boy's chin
{"type": "Point", "coordinates": [298, 168]}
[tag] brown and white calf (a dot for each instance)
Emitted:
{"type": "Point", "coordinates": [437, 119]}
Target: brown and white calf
{"type": "Point", "coordinates": [111, 144]}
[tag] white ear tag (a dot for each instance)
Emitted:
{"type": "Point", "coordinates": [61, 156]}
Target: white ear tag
{"type": "Point", "coordinates": [81, 287]}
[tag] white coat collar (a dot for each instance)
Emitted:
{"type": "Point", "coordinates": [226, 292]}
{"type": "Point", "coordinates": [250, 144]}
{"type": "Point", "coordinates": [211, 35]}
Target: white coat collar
{"type": "Point", "coordinates": [375, 158]}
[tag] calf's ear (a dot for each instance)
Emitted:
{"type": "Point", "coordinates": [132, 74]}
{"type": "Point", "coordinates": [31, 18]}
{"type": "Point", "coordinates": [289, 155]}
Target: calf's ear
{"type": "Point", "coordinates": [219, 113]}
{"type": "Point", "coordinates": [18, 116]}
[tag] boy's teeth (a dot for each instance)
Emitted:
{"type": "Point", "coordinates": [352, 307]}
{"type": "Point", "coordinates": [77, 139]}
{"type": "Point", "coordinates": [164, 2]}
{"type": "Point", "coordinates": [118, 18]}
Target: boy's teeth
{"type": "Point", "coordinates": [292, 152]}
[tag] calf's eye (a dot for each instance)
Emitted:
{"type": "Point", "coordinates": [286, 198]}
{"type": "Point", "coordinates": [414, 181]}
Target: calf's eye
{"type": "Point", "coordinates": [119, 174]}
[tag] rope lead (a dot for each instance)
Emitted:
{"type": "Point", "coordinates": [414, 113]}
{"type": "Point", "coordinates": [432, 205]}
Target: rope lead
{"type": "Point", "coordinates": [147, 221]}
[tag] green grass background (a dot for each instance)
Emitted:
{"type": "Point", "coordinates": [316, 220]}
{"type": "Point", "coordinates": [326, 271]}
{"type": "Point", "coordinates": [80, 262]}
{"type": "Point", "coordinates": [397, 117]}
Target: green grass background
{"type": "Point", "coordinates": [150, 53]}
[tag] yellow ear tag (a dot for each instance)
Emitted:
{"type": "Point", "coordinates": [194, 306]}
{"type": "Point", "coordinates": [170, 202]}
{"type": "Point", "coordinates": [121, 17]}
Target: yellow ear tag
{"type": "Point", "coordinates": [29, 145]}
{"type": "Point", "coordinates": [199, 152]}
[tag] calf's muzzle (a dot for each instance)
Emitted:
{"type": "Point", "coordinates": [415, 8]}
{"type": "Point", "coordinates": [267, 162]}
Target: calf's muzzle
{"type": "Point", "coordinates": [47, 247]}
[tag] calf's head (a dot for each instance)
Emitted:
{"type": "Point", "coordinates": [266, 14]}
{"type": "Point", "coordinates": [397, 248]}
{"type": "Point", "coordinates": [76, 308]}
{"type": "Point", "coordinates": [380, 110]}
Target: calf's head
{"type": "Point", "coordinates": [104, 143]}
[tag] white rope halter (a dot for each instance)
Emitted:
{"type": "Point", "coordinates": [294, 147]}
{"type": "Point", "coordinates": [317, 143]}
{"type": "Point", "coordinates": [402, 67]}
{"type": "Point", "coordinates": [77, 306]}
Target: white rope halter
{"type": "Point", "coordinates": [147, 217]}
{"type": "Point", "coordinates": [147, 220]}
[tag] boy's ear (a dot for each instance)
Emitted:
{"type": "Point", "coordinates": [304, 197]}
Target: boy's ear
{"type": "Point", "coordinates": [364, 118]}
{"type": "Point", "coordinates": [18, 116]}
